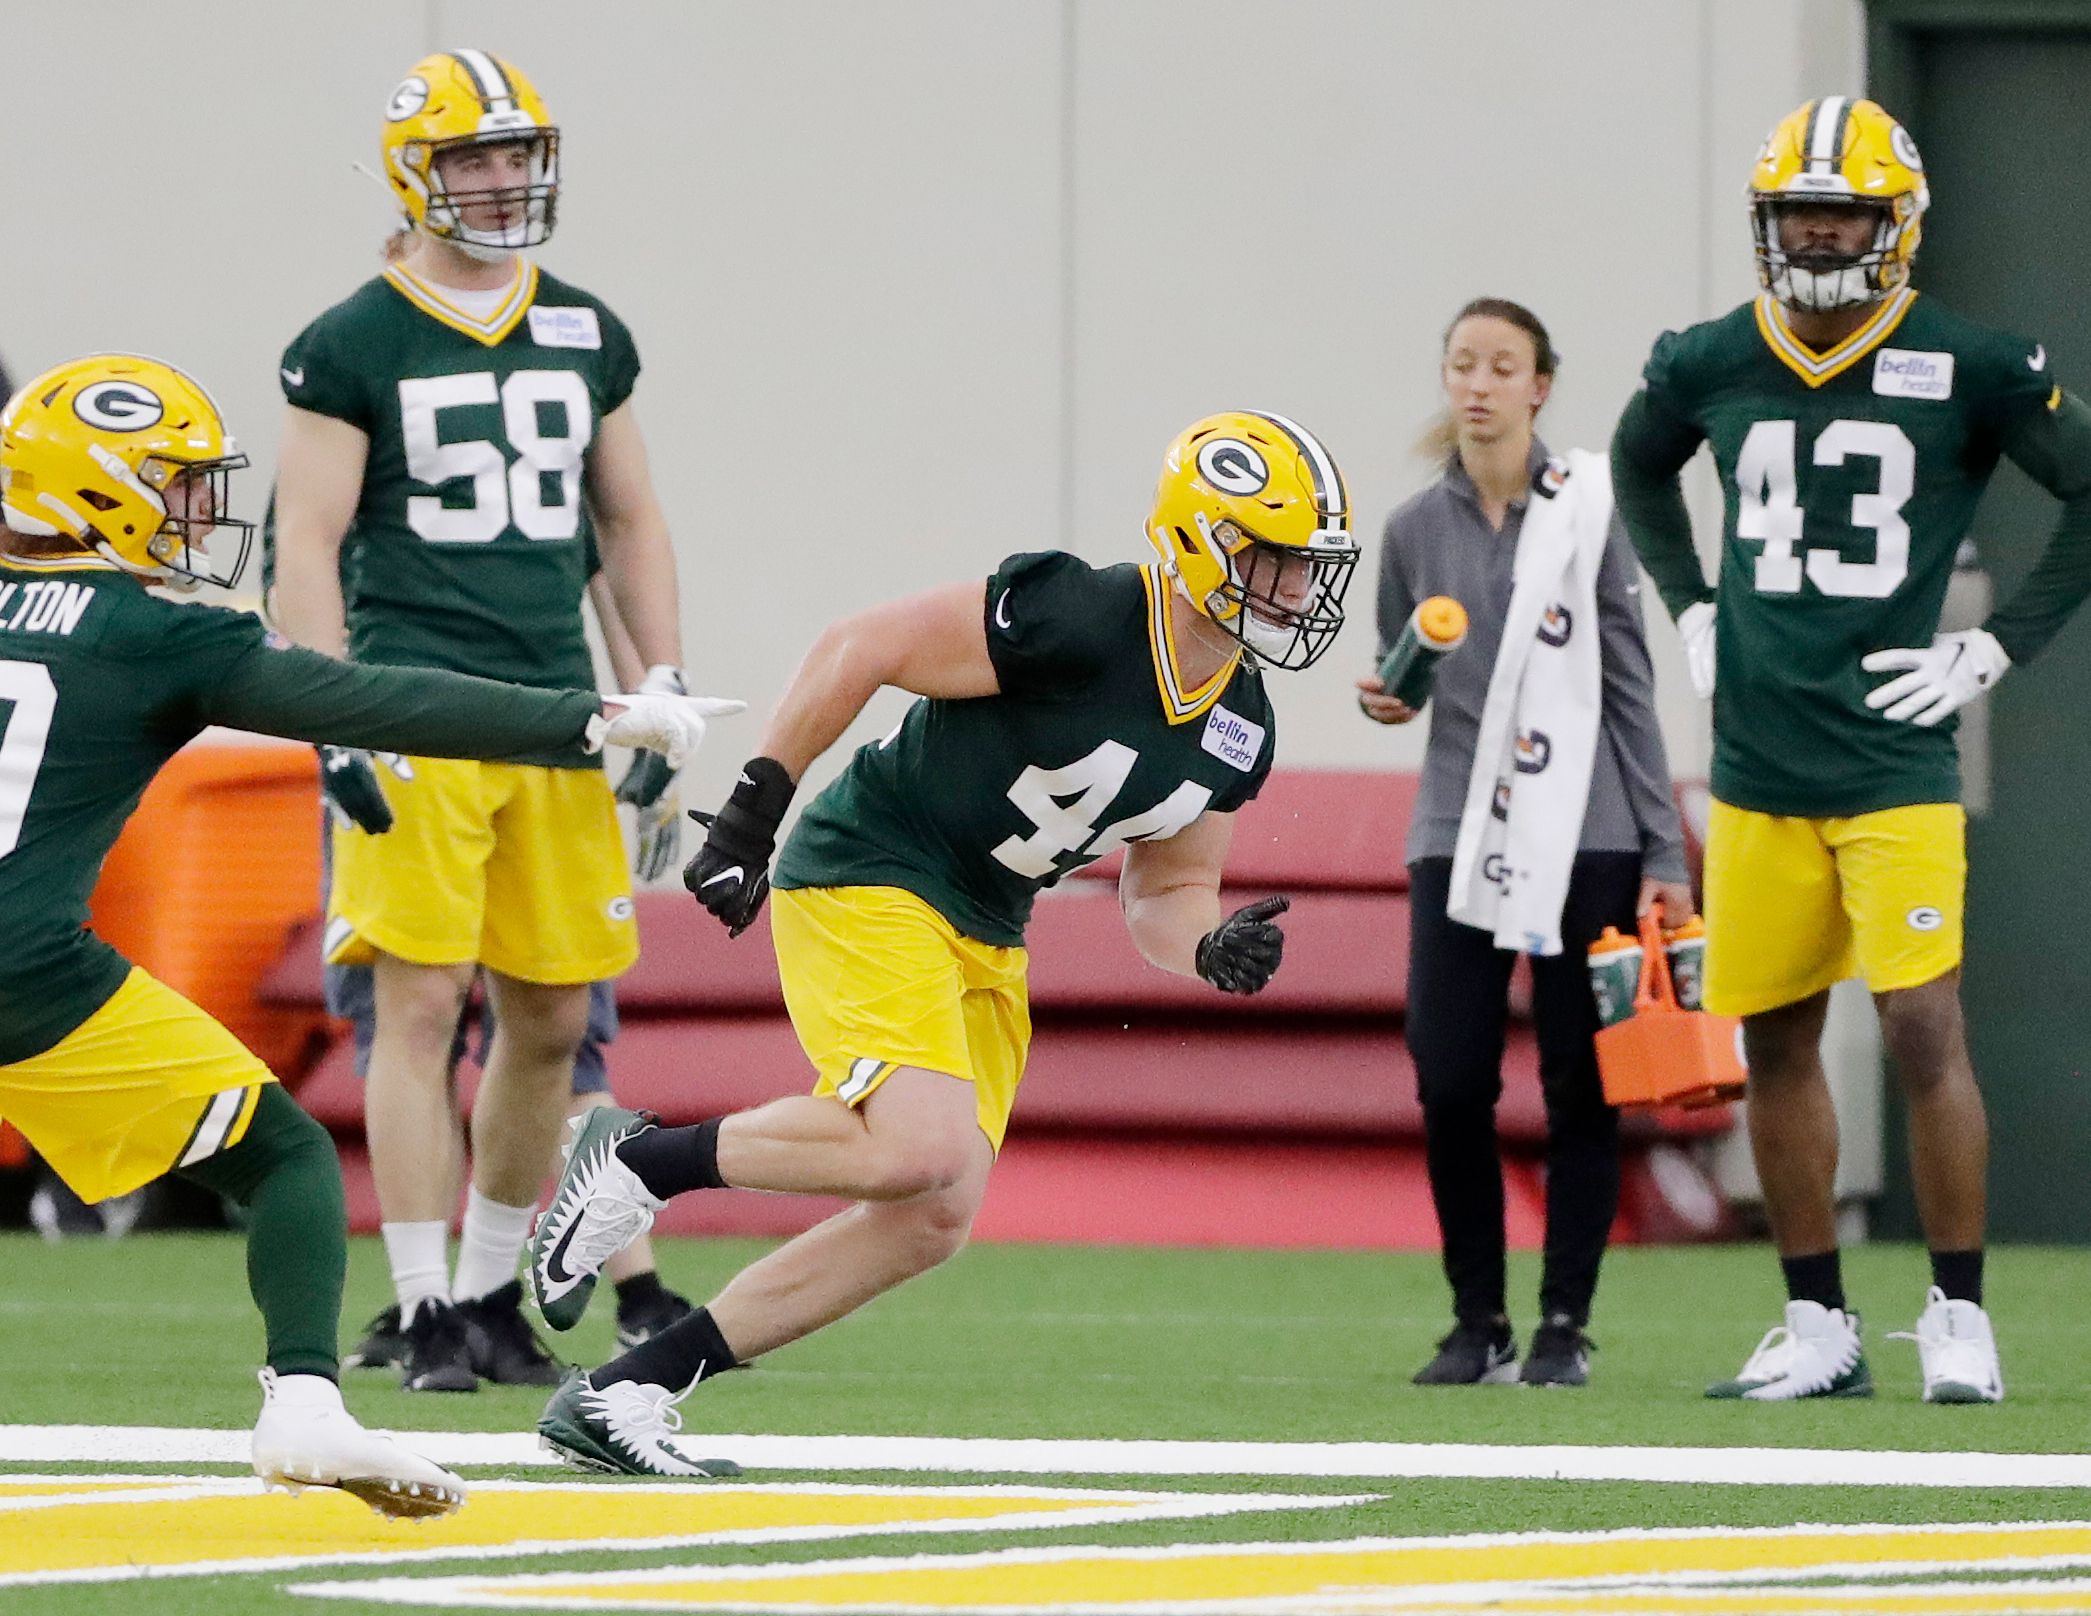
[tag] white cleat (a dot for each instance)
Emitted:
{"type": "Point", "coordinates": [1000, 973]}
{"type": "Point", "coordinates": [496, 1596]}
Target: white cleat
{"type": "Point", "coordinates": [305, 1438]}
{"type": "Point", "coordinates": [1815, 1353]}
{"type": "Point", "coordinates": [1957, 1351]}
{"type": "Point", "coordinates": [598, 1207]}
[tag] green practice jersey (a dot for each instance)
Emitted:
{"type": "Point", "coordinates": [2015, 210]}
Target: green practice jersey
{"type": "Point", "coordinates": [472, 542]}
{"type": "Point", "coordinates": [101, 683]}
{"type": "Point", "coordinates": [973, 806]}
{"type": "Point", "coordinates": [1849, 479]}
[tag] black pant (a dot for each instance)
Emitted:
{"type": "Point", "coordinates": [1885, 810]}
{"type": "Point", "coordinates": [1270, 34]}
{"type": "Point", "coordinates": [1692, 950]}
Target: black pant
{"type": "Point", "coordinates": [1459, 984]}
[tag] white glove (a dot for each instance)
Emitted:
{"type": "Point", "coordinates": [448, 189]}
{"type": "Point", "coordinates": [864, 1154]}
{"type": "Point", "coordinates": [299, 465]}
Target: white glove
{"type": "Point", "coordinates": [1943, 677]}
{"type": "Point", "coordinates": [1695, 626]}
{"type": "Point", "coordinates": [670, 725]}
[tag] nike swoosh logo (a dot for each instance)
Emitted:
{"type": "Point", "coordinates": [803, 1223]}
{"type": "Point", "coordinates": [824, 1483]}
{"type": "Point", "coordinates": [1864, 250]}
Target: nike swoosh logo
{"type": "Point", "coordinates": [745, 780]}
{"type": "Point", "coordinates": [2038, 360]}
{"type": "Point", "coordinates": [731, 873]}
{"type": "Point", "coordinates": [297, 377]}
{"type": "Point", "coordinates": [556, 1271]}
{"type": "Point", "coordinates": [1002, 611]}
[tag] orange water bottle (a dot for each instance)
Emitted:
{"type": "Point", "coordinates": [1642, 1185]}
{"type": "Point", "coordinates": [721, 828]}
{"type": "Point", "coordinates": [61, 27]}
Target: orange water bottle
{"type": "Point", "coordinates": [1685, 948]}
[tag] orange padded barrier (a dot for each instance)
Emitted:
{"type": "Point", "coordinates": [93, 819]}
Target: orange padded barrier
{"type": "Point", "coordinates": [218, 863]}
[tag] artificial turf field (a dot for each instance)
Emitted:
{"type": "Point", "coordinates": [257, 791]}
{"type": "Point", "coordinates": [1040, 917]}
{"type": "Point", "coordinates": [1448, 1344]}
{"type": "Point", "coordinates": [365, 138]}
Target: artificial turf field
{"type": "Point", "coordinates": [1161, 1347]}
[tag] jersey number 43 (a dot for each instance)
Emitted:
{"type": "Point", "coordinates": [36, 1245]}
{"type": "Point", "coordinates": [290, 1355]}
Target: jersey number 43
{"type": "Point", "coordinates": [1770, 510]}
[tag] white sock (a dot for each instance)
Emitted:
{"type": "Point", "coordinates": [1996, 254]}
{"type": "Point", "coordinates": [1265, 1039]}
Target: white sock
{"type": "Point", "coordinates": [490, 1246]}
{"type": "Point", "coordinates": [420, 1271]}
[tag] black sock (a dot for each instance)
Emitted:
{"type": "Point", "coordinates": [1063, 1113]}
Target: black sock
{"type": "Point", "coordinates": [688, 1350]}
{"type": "Point", "coordinates": [1958, 1274]}
{"type": "Point", "coordinates": [1816, 1278]}
{"type": "Point", "coordinates": [671, 1160]}
{"type": "Point", "coordinates": [639, 1290]}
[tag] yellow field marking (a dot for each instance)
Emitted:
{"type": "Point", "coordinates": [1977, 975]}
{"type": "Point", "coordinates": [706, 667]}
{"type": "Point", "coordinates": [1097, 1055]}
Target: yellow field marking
{"type": "Point", "coordinates": [1703, 1572]}
{"type": "Point", "coordinates": [63, 1530]}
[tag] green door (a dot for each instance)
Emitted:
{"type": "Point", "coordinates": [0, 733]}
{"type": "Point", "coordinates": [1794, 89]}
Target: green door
{"type": "Point", "coordinates": [2003, 117]}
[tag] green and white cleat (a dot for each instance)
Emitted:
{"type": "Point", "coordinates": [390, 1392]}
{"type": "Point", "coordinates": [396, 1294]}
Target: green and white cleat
{"type": "Point", "coordinates": [626, 1429]}
{"type": "Point", "coordinates": [1815, 1353]}
{"type": "Point", "coordinates": [1956, 1350]}
{"type": "Point", "coordinates": [598, 1208]}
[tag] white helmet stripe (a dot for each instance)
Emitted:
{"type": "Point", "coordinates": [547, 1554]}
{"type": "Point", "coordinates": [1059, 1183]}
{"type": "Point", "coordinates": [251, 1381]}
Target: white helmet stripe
{"type": "Point", "coordinates": [487, 76]}
{"type": "Point", "coordinates": [1826, 132]}
{"type": "Point", "coordinates": [1329, 492]}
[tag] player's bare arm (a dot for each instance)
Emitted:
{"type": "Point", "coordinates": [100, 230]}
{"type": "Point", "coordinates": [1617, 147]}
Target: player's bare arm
{"type": "Point", "coordinates": [932, 644]}
{"type": "Point", "coordinates": [631, 532]}
{"type": "Point", "coordinates": [319, 481]}
{"type": "Point", "coordinates": [1170, 891]}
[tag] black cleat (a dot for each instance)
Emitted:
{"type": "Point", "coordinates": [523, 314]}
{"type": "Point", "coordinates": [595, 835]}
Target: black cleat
{"type": "Point", "coordinates": [505, 1350]}
{"type": "Point", "coordinates": [647, 1317]}
{"type": "Point", "coordinates": [438, 1355]}
{"type": "Point", "coordinates": [384, 1343]}
{"type": "Point", "coordinates": [1474, 1354]}
{"type": "Point", "coordinates": [1560, 1354]}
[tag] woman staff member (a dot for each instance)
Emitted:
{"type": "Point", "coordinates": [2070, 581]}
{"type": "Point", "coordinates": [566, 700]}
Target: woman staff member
{"type": "Point", "coordinates": [1460, 537]}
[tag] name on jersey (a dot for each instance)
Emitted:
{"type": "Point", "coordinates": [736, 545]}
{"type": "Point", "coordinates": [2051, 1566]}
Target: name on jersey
{"type": "Point", "coordinates": [565, 328]}
{"type": "Point", "coordinates": [51, 607]}
{"type": "Point", "coordinates": [1232, 739]}
{"type": "Point", "coordinates": [1906, 373]}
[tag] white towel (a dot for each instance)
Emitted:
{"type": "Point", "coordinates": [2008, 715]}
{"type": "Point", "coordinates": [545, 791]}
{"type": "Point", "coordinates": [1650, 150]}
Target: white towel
{"type": "Point", "coordinates": [1530, 787]}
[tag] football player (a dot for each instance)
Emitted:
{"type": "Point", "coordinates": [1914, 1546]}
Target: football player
{"type": "Point", "coordinates": [460, 445]}
{"type": "Point", "coordinates": [114, 472]}
{"type": "Point", "coordinates": [1067, 711]}
{"type": "Point", "coordinates": [1854, 425]}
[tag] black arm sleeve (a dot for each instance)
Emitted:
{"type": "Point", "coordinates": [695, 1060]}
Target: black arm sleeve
{"type": "Point", "coordinates": [2053, 447]}
{"type": "Point", "coordinates": [304, 696]}
{"type": "Point", "coordinates": [1649, 448]}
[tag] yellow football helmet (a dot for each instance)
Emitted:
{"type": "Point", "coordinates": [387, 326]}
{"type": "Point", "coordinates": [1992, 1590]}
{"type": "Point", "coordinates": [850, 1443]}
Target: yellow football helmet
{"type": "Point", "coordinates": [90, 450]}
{"type": "Point", "coordinates": [1838, 150]}
{"type": "Point", "coordinates": [468, 98]}
{"type": "Point", "coordinates": [1244, 499]}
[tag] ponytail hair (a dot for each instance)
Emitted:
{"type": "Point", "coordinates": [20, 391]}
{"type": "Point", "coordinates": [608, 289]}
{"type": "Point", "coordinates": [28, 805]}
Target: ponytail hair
{"type": "Point", "coordinates": [1441, 437]}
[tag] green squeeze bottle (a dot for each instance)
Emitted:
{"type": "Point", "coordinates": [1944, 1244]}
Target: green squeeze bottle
{"type": "Point", "coordinates": [1436, 626]}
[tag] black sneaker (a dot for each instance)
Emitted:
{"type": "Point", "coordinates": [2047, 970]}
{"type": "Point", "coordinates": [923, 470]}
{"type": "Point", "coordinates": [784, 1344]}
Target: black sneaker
{"type": "Point", "coordinates": [1560, 1354]}
{"type": "Point", "coordinates": [647, 1316]}
{"type": "Point", "coordinates": [384, 1343]}
{"type": "Point", "coordinates": [1474, 1354]}
{"type": "Point", "coordinates": [505, 1350]}
{"type": "Point", "coordinates": [438, 1355]}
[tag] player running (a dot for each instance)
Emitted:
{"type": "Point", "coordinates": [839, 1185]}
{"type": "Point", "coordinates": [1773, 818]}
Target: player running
{"type": "Point", "coordinates": [1067, 711]}
{"type": "Point", "coordinates": [459, 449]}
{"type": "Point", "coordinates": [113, 474]}
{"type": "Point", "coordinates": [1854, 425]}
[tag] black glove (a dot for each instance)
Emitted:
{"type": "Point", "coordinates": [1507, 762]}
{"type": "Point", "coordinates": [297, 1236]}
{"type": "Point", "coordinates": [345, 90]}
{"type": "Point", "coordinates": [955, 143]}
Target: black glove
{"type": "Point", "coordinates": [643, 783]}
{"type": "Point", "coordinates": [1241, 953]}
{"type": "Point", "coordinates": [349, 782]}
{"type": "Point", "coordinates": [731, 872]}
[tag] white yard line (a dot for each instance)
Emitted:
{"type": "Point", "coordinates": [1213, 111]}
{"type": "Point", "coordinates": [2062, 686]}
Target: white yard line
{"type": "Point", "coordinates": [1757, 1467]}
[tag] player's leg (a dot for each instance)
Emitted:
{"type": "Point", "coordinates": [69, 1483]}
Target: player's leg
{"type": "Point", "coordinates": [1905, 883]}
{"type": "Point", "coordinates": [516, 1123]}
{"type": "Point", "coordinates": [1582, 1162]}
{"type": "Point", "coordinates": [352, 996]}
{"type": "Point", "coordinates": [620, 1415]}
{"type": "Point", "coordinates": [150, 1083]}
{"type": "Point", "coordinates": [1458, 988]}
{"type": "Point", "coordinates": [558, 920]}
{"type": "Point", "coordinates": [1776, 940]}
{"type": "Point", "coordinates": [409, 1120]}
{"type": "Point", "coordinates": [411, 903]}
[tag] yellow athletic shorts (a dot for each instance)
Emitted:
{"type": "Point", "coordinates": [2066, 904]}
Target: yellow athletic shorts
{"type": "Point", "coordinates": [875, 979]}
{"type": "Point", "coordinates": [1793, 905]}
{"type": "Point", "coordinates": [518, 867]}
{"type": "Point", "coordinates": [147, 1083]}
